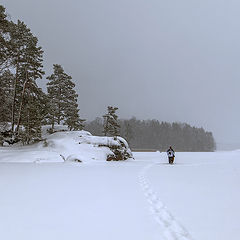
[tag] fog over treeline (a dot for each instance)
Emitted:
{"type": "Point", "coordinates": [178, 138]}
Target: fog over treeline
{"type": "Point", "coordinates": [155, 135]}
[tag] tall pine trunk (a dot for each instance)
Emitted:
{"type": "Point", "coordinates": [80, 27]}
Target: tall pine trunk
{"type": "Point", "coordinates": [28, 127]}
{"type": "Point", "coordinates": [52, 122]}
{"type": "Point", "coordinates": [21, 102]}
{"type": "Point", "coordinates": [14, 98]}
{"type": "Point", "coordinates": [59, 107]}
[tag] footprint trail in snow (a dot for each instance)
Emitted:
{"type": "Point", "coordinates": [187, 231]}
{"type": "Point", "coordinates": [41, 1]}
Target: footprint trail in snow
{"type": "Point", "coordinates": [172, 229]}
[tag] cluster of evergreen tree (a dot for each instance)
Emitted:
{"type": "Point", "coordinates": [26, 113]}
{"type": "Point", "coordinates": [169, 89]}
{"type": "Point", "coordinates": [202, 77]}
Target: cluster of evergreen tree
{"type": "Point", "coordinates": [23, 104]}
{"type": "Point", "coordinates": [152, 134]}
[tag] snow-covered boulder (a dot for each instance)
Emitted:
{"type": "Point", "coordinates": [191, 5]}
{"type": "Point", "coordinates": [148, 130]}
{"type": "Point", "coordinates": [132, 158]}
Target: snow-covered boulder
{"type": "Point", "coordinates": [81, 146]}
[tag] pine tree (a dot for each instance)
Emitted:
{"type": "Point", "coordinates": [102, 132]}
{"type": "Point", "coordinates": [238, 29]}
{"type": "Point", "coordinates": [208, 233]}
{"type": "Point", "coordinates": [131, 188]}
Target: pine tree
{"type": "Point", "coordinates": [26, 60]}
{"type": "Point", "coordinates": [19, 35]}
{"type": "Point", "coordinates": [29, 69]}
{"type": "Point", "coordinates": [4, 40]}
{"type": "Point", "coordinates": [6, 84]}
{"type": "Point", "coordinates": [19, 94]}
{"type": "Point", "coordinates": [73, 121]}
{"type": "Point", "coordinates": [63, 100]}
{"type": "Point", "coordinates": [111, 126]}
{"type": "Point", "coordinates": [55, 90]}
{"type": "Point", "coordinates": [33, 114]}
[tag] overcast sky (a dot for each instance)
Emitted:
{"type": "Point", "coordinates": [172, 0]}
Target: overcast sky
{"type": "Point", "coordinates": [168, 60]}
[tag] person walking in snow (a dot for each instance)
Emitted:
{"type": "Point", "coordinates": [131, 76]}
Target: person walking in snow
{"type": "Point", "coordinates": [171, 155]}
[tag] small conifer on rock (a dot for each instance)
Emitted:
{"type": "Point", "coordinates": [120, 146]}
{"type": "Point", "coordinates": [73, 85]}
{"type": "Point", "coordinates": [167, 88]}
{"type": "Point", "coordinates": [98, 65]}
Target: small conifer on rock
{"type": "Point", "coordinates": [111, 126]}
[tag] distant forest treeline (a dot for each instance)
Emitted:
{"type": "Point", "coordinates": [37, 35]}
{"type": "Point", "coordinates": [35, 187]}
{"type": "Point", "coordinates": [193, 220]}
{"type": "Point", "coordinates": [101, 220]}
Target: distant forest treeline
{"type": "Point", "coordinates": [152, 134]}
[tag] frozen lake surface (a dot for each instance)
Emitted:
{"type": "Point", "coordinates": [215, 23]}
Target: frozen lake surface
{"type": "Point", "coordinates": [143, 199]}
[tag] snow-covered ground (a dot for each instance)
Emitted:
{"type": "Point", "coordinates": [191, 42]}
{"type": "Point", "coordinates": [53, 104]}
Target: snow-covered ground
{"type": "Point", "coordinates": [64, 146]}
{"type": "Point", "coordinates": [143, 199]}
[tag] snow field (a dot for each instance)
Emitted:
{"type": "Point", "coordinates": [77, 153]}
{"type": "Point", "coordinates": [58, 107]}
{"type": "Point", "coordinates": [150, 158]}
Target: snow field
{"type": "Point", "coordinates": [202, 192]}
{"type": "Point", "coordinates": [171, 228]}
{"type": "Point", "coordinates": [73, 201]}
{"type": "Point", "coordinates": [146, 198]}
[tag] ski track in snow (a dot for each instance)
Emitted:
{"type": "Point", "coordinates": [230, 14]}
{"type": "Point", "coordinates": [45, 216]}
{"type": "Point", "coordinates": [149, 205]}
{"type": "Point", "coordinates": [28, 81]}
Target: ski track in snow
{"type": "Point", "coordinates": [173, 230]}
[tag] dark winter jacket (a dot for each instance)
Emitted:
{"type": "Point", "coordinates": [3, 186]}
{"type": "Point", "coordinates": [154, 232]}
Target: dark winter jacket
{"type": "Point", "coordinates": [170, 152]}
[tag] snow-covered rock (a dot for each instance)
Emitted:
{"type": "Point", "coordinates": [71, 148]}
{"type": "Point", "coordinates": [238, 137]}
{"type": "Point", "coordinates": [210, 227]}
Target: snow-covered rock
{"type": "Point", "coordinates": [82, 146]}
{"type": "Point", "coordinates": [63, 145]}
